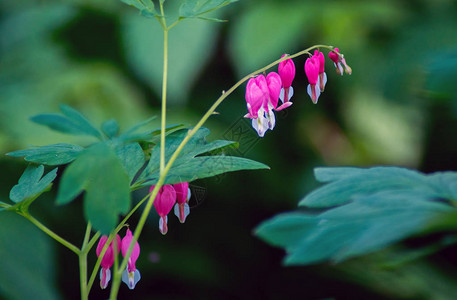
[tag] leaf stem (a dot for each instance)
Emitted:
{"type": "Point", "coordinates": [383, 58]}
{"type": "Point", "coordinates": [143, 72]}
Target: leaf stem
{"type": "Point", "coordinates": [51, 233]}
{"type": "Point", "coordinates": [164, 101]}
{"type": "Point", "coordinates": [83, 263]}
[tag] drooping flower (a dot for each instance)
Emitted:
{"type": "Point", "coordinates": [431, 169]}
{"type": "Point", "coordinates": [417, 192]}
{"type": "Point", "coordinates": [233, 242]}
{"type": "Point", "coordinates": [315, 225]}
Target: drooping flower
{"type": "Point", "coordinates": [108, 258]}
{"type": "Point", "coordinates": [164, 201]}
{"type": "Point", "coordinates": [131, 274]}
{"type": "Point", "coordinates": [322, 75]}
{"type": "Point", "coordinates": [312, 66]}
{"type": "Point", "coordinates": [257, 94]}
{"type": "Point", "coordinates": [286, 70]}
{"type": "Point", "coordinates": [182, 209]}
{"type": "Point", "coordinates": [335, 57]}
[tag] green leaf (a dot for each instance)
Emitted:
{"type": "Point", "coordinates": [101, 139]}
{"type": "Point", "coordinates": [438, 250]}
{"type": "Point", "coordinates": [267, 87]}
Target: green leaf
{"type": "Point", "coordinates": [189, 166]}
{"type": "Point", "coordinates": [55, 154]}
{"type": "Point", "coordinates": [28, 261]}
{"type": "Point", "coordinates": [110, 128]}
{"type": "Point", "coordinates": [373, 179]}
{"type": "Point", "coordinates": [131, 157]}
{"type": "Point", "coordinates": [99, 172]}
{"type": "Point", "coordinates": [32, 184]}
{"type": "Point", "coordinates": [197, 8]}
{"type": "Point", "coordinates": [71, 122]}
{"type": "Point", "coordinates": [146, 7]}
{"type": "Point", "coordinates": [378, 207]}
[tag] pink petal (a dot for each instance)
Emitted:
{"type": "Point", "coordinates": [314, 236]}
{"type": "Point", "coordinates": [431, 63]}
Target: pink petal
{"type": "Point", "coordinates": [286, 70]}
{"type": "Point", "coordinates": [165, 200]}
{"type": "Point", "coordinates": [126, 241]}
{"type": "Point", "coordinates": [181, 191]}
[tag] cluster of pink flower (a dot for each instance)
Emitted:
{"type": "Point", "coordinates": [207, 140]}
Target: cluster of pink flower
{"type": "Point", "coordinates": [166, 198]}
{"type": "Point", "coordinates": [131, 275]}
{"type": "Point", "coordinates": [263, 92]}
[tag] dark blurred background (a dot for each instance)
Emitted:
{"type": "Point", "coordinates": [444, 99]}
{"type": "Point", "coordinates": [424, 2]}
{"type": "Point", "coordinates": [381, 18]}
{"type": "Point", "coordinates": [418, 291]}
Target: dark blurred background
{"type": "Point", "coordinates": [101, 57]}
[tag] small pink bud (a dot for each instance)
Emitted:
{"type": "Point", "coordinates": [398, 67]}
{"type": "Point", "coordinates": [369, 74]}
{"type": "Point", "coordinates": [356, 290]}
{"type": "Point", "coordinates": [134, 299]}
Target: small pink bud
{"type": "Point", "coordinates": [108, 258]}
{"type": "Point", "coordinates": [335, 57]}
{"type": "Point", "coordinates": [131, 275]}
{"type": "Point", "coordinates": [182, 209]}
{"type": "Point", "coordinates": [163, 203]}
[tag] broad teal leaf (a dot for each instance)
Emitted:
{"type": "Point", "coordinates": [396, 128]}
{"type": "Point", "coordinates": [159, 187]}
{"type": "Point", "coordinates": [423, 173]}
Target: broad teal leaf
{"type": "Point", "coordinates": [32, 183]}
{"type": "Point", "coordinates": [197, 8]}
{"type": "Point", "coordinates": [28, 261]}
{"type": "Point", "coordinates": [99, 172]}
{"type": "Point", "coordinates": [333, 174]}
{"type": "Point", "coordinates": [55, 154]}
{"type": "Point", "coordinates": [189, 166]}
{"type": "Point", "coordinates": [110, 128]}
{"type": "Point", "coordinates": [377, 208]}
{"type": "Point", "coordinates": [367, 181]}
{"type": "Point", "coordinates": [71, 122]}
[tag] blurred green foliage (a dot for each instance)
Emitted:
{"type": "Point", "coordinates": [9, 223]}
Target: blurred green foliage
{"type": "Point", "coordinates": [101, 57]}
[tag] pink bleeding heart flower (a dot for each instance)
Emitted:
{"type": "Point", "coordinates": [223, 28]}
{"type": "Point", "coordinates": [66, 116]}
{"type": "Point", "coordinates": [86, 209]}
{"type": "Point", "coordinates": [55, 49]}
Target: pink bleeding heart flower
{"type": "Point", "coordinates": [322, 75]}
{"type": "Point", "coordinates": [286, 70]}
{"type": "Point", "coordinates": [131, 275]}
{"type": "Point", "coordinates": [164, 202]}
{"type": "Point", "coordinates": [312, 66]}
{"type": "Point", "coordinates": [108, 258]}
{"type": "Point", "coordinates": [182, 209]}
{"type": "Point", "coordinates": [257, 94]}
{"type": "Point", "coordinates": [274, 87]}
{"type": "Point", "coordinates": [335, 57]}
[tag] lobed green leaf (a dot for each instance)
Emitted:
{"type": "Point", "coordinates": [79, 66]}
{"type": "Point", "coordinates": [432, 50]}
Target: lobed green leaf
{"type": "Point", "coordinates": [71, 122]}
{"type": "Point", "coordinates": [99, 172]}
{"type": "Point", "coordinates": [189, 166]}
{"type": "Point", "coordinates": [197, 8]}
{"type": "Point", "coordinates": [52, 155]}
{"type": "Point", "coordinates": [110, 128]}
{"type": "Point", "coordinates": [146, 7]}
{"type": "Point", "coordinates": [32, 183]}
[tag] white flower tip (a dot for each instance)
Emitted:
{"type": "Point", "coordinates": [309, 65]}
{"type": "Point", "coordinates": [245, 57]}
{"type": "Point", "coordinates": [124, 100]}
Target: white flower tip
{"type": "Point", "coordinates": [163, 225]}
{"type": "Point", "coordinates": [131, 279]}
{"type": "Point", "coordinates": [105, 276]}
{"type": "Point", "coordinates": [281, 95]}
{"type": "Point", "coordinates": [182, 211]}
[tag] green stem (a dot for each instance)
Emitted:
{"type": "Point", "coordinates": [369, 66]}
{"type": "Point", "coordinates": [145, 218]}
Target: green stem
{"type": "Point", "coordinates": [97, 235]}
{"type": "Point", "coordinates": [83, 263]}
{"type": "Point", "coordinates": [83, 275]}
{"type": "Point", "coordinates": [51, 233]}
{"type": "Point", "coordinates": [164, 101]}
